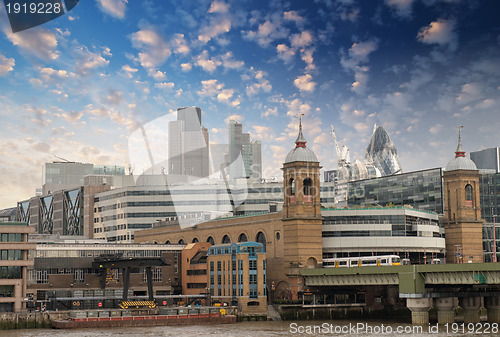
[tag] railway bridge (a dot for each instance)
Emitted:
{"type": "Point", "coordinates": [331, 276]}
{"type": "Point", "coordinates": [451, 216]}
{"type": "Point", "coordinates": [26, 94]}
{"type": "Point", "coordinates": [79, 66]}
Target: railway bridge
{"type": "Point", "coordinates": [470, 285]}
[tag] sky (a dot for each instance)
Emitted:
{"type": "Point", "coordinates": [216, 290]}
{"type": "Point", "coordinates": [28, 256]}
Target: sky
{"type": "Point", "coordinates": [78, 86]}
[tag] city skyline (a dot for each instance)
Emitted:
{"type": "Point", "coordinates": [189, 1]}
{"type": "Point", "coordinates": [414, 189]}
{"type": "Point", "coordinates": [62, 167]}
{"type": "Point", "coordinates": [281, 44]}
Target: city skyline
{"type": "Point", "coordinates": [78, 86]}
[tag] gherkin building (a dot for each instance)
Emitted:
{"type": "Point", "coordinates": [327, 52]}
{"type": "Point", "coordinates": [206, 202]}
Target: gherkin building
{"type": "Point", "coordinates": [382, 153]}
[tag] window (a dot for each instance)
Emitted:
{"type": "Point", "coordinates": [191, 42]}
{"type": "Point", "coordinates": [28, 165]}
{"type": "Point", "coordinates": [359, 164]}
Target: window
{"type": "Point", "coordinates": [261, 238]}
{"type": "Point", "coordinates": [211, 240]}
{"type": "Point", "coordinates": [242, 238]}
{"type": "Point", "coordinates": [468, 195]}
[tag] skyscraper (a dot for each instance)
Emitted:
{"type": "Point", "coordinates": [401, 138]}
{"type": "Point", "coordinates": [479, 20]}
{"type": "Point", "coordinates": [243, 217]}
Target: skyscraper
{"type": "Point", "coordinates": [188, 144]}
{"type": "Point", "coordinates": [382, 152]}
{"type": "Point", "coordinates": [250, 152]}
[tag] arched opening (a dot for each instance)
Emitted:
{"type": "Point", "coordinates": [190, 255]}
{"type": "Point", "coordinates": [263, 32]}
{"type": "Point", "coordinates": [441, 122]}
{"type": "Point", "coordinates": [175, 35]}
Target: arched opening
{"type": "Point", "coordinates": [468, 195]}
{"type": "Point", "coordinates": [291, 190]}
{"type": "Point", "coordinates": [307, 190]}
{"type": "Point", "coordinates": [242, 238]}
{"type": "Point", "coordinates": [194, 240]}
{"type": "Point", "coordinates": [181, 242]}
{"type": "Point", "coordinates": [311, 263]}
{"type": "Point", "coordinates": [226, 239]}
{"type": "Point", "coordinates": [261, 238]}
{"type": "Point", "coordinates": [168, 242]}
{"type": "Point", "coordinates": [211, 240]}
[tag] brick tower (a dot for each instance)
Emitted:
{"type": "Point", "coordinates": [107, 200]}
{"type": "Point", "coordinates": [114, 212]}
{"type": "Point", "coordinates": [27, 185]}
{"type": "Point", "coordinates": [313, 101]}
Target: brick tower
{"type": "Point", "coordinates": [462, 214]}
{"type": "Point", "coordinates": [301, 212]}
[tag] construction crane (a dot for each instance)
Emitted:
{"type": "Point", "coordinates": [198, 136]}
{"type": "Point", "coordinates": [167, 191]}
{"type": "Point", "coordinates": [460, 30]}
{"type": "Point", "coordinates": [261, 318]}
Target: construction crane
{"type": "Point", "coordinates": [343, 157]}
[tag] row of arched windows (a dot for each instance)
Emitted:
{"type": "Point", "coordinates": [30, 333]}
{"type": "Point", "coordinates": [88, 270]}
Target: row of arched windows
{"type": "Point", "coordinates": [260, 238]}
{"type": "Point", "coordinates": [307, 189]}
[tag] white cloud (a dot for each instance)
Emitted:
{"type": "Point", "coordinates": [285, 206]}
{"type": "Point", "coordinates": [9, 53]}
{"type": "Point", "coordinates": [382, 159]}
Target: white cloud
{"type": "Point", "coordinates": [357, 55]}
{"type": "Point", "coordinates": [435, 129]}
{"type": "Point", "coordinates": [52, 75]}
{"type": "Point", "coordinates": [154, 49]}
{"type": "Point", "coordinates": [305, 83]}
{"type": "Point", "coordinates": [86, 61]}
{"type": "Point", "coordinates": [179, 44]}
{"type": "Point", "coordinates": [6, 65]}
{"type": "Point", "coordinates": [215, 89]}
{"type": "Point", "coordinates": [285, 53]}
{"type": "Point", "coordinates": [403, 8]}
{"type": "Point", "coordinates": [218, 7]}
{"type": "Point", "coordinates": [165, 85]}
{"type": "Point", "coordinates": [268, 31]}
{"type": "Point", "coordinates": [297, 107]}
{"type": "Point", "coordinates": [293, 16]}
{"type": "Point", "coordinates": [206, 63]}
{"type": "Point", "coordinates": [39, 42]}
{"type": "Point", "coordinates": [301, 40]}
{"type": "Point", "coordinates": [440, 32]}
{"type": "Point", "coordinates": [115, 8]}
{"type": "Point", "coordinates": [186, 66]}
{"type": "Point", "coordinates": [270, 112]}
{"type": "Point", "coordinates": [129, 70]}
{"type": "Point", "coordinates": [214, 29]}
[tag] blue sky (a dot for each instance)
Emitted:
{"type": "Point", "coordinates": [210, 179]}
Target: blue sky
{"type": "Point", "coordinates": [79, 85]}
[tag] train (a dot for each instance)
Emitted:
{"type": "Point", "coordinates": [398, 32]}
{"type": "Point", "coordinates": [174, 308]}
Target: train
{"type": "Point", "coordinates": [365, 261]}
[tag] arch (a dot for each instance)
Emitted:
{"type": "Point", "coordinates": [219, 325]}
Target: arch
{"type": "Point", "coordinates": [181, 242]}
{"type": "Point", "coordinates": [282, 291]}
{"type": "Point", "coordinates": [194, 240]}
{"type": "Point", "coordinates": [168, 242]}
{"type": "Point", "coordinates": [242, 238]}
{"type": "Point", "coordinates": [307, 186]}
{"type": "Point", "coordinates": [311, 263]}
{"type": "Point", "coordinates": [261, 238]}
{"type": "Point", "coordinates": [211, 240]}
{"type": "Point", "coordinates": [291, 190]}
{"type": "Point", "coordinates": [468, 195]}
{"type": "Point", "coordinates": [226, 239]}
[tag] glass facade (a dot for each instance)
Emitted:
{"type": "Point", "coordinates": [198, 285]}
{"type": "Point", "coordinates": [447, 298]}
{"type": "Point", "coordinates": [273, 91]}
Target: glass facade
{"type": "Point", "coordinates": [382, 153]}
{"type": "Point", "coordinates": [489, 194]}
{"type": "Point", "coordinates": [422, 190]}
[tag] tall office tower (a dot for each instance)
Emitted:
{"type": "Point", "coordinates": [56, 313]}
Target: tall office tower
{"type": "Point", "coordinates": [382, 153]}
{"type": "Point", "coordinates": [488, 159]}
{"type": "Point", "coordinates": [250, 152]}
{"type": "Point", "coordinates": [188, 144]}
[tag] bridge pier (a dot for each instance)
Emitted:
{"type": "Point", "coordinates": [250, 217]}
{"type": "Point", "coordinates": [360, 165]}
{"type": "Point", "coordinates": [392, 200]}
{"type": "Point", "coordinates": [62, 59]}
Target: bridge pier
{"type": "Point", "coordinates": [419, 308]}
{"type": "Point", "coordinates": [471, 307]}
{"type": "Point", "coordinates": [446, 309]}
{"type": "Point", "coordinates": [492, 305]}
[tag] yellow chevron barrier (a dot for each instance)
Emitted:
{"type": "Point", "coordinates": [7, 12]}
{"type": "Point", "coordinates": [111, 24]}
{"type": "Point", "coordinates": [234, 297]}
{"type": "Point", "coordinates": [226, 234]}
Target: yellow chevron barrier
{"type": "Point", "coordinates": [137, 304]}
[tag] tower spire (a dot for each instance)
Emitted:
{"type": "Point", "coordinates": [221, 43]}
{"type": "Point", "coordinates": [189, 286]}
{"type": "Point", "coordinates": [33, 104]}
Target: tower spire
{"type": "Point", "coordinates": [459, 152]}
{"type": "Point", "coordinates": [300, 141]}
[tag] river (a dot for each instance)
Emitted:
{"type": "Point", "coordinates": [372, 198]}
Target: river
{"type": "Point", "coordinates": [289, 328]}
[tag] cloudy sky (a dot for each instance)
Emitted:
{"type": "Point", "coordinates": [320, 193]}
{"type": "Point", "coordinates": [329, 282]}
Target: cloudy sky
{"type": "Point", "coordinates": [77, 86]}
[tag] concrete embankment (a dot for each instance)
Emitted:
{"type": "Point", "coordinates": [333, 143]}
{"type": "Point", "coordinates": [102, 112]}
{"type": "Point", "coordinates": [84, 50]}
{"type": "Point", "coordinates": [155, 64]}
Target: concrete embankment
{"type": "Point", "coordinates": [29, 320]}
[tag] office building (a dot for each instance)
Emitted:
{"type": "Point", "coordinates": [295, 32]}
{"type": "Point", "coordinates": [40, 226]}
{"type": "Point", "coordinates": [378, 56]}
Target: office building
{"type": "Point", "coordinates": [188, 144]}
{"type": "Point", "coordinates": [69, 175]}
{"type": "Point", "coordinates": [14, 261]}
{"type": "Point", "coordinates": [194, 268]}
{"type": "Point", "coordinates": [240, 145]}
{"type": "Point", "coordinates": [488, 159]}
{"type": "Point", "coordinates": [402, 231]}
{"type": "Point", "coordinates": [237, 276]}
{"type": "Point", "coordinates": [64, 268]}
{"type": "Point", "coordinates": [421, 190]}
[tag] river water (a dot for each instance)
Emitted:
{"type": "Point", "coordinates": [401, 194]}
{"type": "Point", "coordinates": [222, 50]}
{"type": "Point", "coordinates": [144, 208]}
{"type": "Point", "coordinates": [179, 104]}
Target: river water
{"type": "Point", "coordinates": [289, 328]}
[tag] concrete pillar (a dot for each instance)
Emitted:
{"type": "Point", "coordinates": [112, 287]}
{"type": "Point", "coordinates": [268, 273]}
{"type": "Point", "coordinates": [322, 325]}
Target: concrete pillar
{"type": "Point", "coordinates": [419, 309]}
{"type": "Point", "coordinates": [471, 307]}
{"type": "Point", "coordinates": [492, 305]}
{"type": "Point", "coordinates": [446, 309]}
